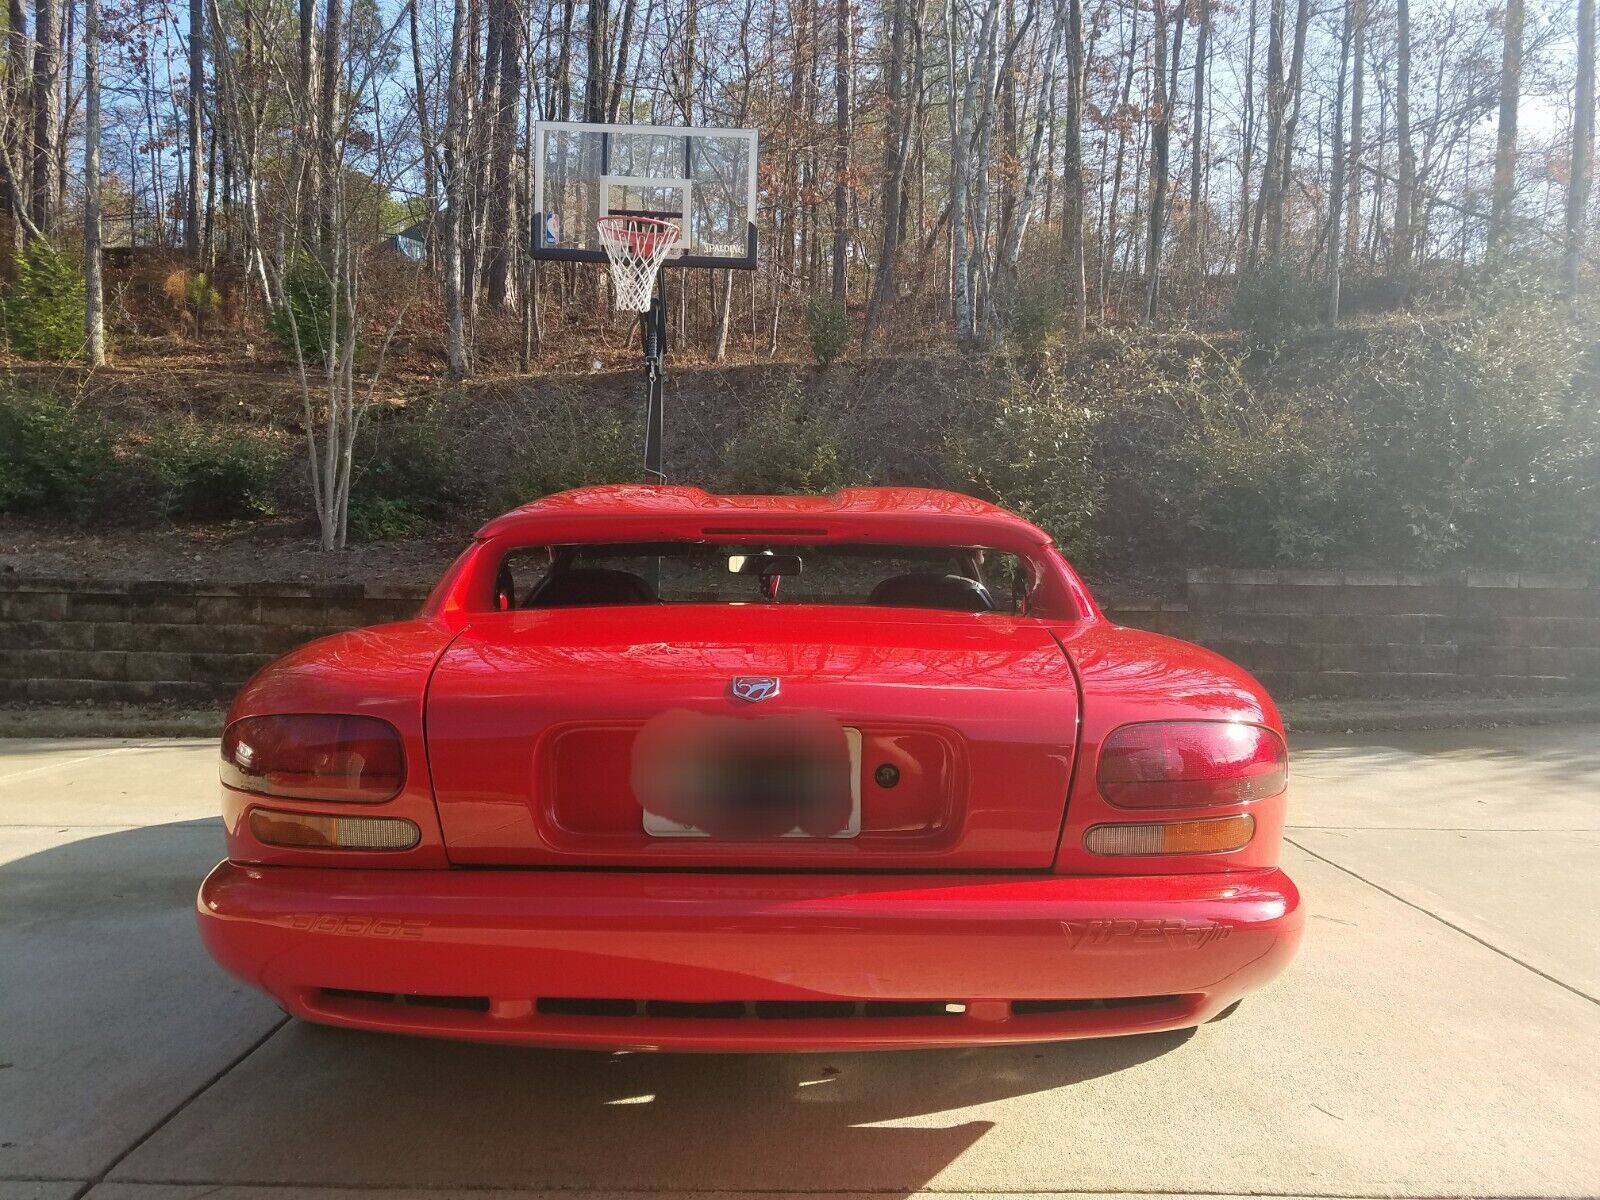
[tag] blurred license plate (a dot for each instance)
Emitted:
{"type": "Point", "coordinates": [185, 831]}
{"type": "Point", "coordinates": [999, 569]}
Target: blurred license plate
{"type": "Point", "coordinates": [756, 780]}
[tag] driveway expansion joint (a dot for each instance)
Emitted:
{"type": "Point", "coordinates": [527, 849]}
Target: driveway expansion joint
{"type": "Point", "coordinates": [178, 1108]}
{"type": "Point", "coordinates": [1448, 924]}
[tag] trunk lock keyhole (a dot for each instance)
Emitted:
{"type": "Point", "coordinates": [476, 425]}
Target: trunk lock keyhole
{"type": "Point", "coordinates": [887, 775]}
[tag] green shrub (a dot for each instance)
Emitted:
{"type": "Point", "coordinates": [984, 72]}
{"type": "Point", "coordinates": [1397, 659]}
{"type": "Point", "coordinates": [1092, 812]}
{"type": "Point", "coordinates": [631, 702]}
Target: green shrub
{"type": "Point", "coordinates": [409, 455]}
{"type": "Point", "coordinates": [206, 474]}
{"type": "Point", "coordinates": [381, 519]}
{"type": "Point", "coordinates": [1272, 304]}
{"type": "Point", "coordinates": [1032, 314]}
{"type": "Point", "coordinates": [785, 445]}
{"type": "Point", "coordinates": [203, 299]}
{"type": "Point", "coordinates": [1481, 430]}
{"type": "Point", "coordinates": [1203, 465]}
{"type": "Point", "coordinates": [407, 473]}
{"type": "Point", "coordinates": [44, 306]}
{"type": "Point", "coordinates": [1029, 445]}
{"type": "Point", "coordinates": [827, 328]}
{"type": "Point", "coordinates": [574, 444]}
{"type": "Point", "coordinates": [54, 458]}
{"type": "Point", "coordinates": [306, 310]}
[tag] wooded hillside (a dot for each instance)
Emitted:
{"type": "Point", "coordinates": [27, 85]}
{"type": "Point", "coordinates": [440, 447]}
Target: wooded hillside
{"type": "Point", "coordinates": [228, 178]}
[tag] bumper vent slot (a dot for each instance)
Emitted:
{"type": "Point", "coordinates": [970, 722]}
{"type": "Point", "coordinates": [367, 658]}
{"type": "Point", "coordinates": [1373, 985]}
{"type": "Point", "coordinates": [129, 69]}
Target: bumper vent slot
{"type": "Point", "coordinates": [736, 1010]}
{"type": "Point", "coordinates": [459, 1003]}
{"type": "Point", "coordinates": [1025, 1008]}
{"type": "Point", "coordinates": [761, 1010]}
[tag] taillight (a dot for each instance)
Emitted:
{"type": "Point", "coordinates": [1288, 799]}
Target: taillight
{"type": "Point", "coordinates": [314, 756]}
{"type": "Point", "coordinates": [1191, 764]}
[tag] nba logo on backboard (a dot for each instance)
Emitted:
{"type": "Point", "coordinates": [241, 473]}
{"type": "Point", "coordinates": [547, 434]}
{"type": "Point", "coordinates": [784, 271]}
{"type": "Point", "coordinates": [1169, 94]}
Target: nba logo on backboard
{"type": "Point", "coordinates": [552, 229]}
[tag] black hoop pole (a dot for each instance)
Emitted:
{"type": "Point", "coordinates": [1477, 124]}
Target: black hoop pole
{"type": "Point", "coordinates": [653, 333]}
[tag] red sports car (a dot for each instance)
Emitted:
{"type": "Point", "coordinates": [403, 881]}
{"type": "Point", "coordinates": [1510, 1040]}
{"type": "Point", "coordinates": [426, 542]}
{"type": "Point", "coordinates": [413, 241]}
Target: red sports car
{"type": "Point", "coordinates": [657, 768]}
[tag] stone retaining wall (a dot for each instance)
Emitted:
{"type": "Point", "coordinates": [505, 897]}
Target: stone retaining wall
{"type": "Point", "coordinates": [1370, 633]}
{"type": "Point", "coordinates": [69, 641]}
{"type": "Point", "coordinates": [1303, 633]}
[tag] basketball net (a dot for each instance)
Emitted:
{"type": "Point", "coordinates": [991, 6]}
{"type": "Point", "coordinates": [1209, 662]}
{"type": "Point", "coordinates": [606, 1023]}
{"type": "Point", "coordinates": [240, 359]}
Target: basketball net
{"type": "Point", "coordinates": [635, 249]}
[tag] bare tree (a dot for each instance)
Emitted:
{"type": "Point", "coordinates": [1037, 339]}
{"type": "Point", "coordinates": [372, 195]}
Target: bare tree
{"type": "Point", "coordinates": [16, 137]}
{"type": "Point", "coordinates": [1582, 148]}
{"type": "Point", "coordinates": [94, 341]}
{"type": "Point", "coordinates": [502, 233]}
{"type": "Point", "coordinates": [1072, 213]}
{"type": "Point", "coordinates": [1358, 54]}
{"type": "Point", "coordinates": [1405, 183]}
{"type": "Point", "coordinates": [1197, 141]}
{"type": "Point", "coordinates": [45, 187]}
{"type": "Point", "coordinates": [895, 135]}
{"type": "Point", "coordinates": [458, 101]}
{"type": "Point", "coordinates": [1270, 207]}
{"type": "Point", "coordinates": [194, 117]}
{"type": "Point", "coordinates": [1505, 151]}
{"type": "Point", "coordinates": [843, 101]}
{"type": "Point", "coordinates": [970, 108]}
{"type": "Point", "coordinates": [1337, 189]}
{"type": "Point", "coordinates": [1161, 140]}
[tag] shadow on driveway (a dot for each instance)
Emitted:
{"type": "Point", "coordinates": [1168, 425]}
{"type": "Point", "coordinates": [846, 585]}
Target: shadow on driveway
{"type": "Point", "coordinates": [121, 1034]}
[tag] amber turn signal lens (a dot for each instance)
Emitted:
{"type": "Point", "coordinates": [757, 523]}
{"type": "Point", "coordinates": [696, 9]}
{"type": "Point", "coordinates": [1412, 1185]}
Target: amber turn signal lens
{"type": "Point", "coordinates": [302, 831]}
{"type": "Point", "coordinates": [1214, 836]}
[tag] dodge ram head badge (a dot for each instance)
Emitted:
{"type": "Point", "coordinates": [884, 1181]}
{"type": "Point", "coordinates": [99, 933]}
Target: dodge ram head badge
{"type": "Point", "coordinates": [755, 688]}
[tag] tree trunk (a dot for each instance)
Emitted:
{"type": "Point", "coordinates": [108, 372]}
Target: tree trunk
{"type": "Point", "coordinates": [503, 227]}
{"type": "Point", "coordinates": [594, 85]}
{"type": "Point", "coordinates": [197, 83]}
{"type": "Point", "coordinates": [842, 75]}
{"type": "Point", "coordinates": [1358, 54]}
{"type": "Point", "coordinates": [94, 340]}
{"type": "Point", "coordinates": [1270, 207]}
{"type": "Point", "coordinates": [430, 151]}
{"type": "Point", "coordinates": [1160, 136]}
{"type": "Point", "coordinates": [614, 107]}
{"type": "Point", "coordinates": [1244, 244]}
{"type": "Point", "coordinates": [1072, 174]}
{"type": "Point", "coordinates": [329, 114]}
{"type": "Point", "coordinates": [1033, 168]}
{"type": "Point", "coordinates": [44, 190]}
{"type": "Point", "coordinates": [1505, 149]}
{"type": "Point", "coordinates": [1290, 119]}
{"type": "Point", "coordinates": [1197, 144]}
{"type": "Point", "coordinates": [311, 147]}
{"type": "Point", "coordinates": [1108, 236]}
{"type": "Point", "coordinates": [1582, 150]}
{"type": "Point", "coordinates": [458, 93]}
{"type": "Point", "coordinates": [16, 134]}
{"type": "Point", "coordinates": [1405, 184]}
{"type": "Point", "coordinates": [896, 127]}
{"type": "Point", "coordinates": [1337, 174]}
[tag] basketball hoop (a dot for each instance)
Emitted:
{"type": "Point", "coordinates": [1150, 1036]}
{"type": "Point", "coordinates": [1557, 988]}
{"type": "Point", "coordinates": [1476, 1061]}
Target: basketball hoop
{"type": "Point", "coordinates": [635, 249]}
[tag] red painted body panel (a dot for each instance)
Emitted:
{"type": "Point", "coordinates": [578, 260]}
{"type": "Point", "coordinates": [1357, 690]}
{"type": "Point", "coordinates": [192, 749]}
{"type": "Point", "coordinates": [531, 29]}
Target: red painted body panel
{"type": "Point", "coordinates": [995, 692]}
{"type": "Point", "coordinates": [1129, 675]}
{"type": "Point", "coordinates": [533, 880]}
{"type": "Point", "coordinates": [515, 937]}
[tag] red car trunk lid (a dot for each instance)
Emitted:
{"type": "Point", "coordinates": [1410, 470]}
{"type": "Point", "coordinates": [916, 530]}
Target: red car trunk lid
{"type": "Point", "coordinates": [966, 726]}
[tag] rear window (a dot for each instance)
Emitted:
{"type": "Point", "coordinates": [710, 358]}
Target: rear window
{"type": "Point", "coordinates": [960, 579]}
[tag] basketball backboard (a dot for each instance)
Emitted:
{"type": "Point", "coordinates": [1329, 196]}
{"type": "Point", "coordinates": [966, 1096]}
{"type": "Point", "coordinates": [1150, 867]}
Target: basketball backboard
{"type": "Point", "coordinates": [703, 180]}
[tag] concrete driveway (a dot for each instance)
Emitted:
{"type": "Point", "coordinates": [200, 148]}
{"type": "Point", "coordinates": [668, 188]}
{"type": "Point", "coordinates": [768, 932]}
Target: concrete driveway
{"type": "Point", "coordinates": [1439, 1035]}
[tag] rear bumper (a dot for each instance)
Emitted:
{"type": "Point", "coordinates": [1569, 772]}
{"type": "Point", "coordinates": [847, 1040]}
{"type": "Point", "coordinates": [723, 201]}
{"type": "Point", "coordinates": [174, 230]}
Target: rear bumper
{"type": "Point", "coordinates": [748, 962]}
